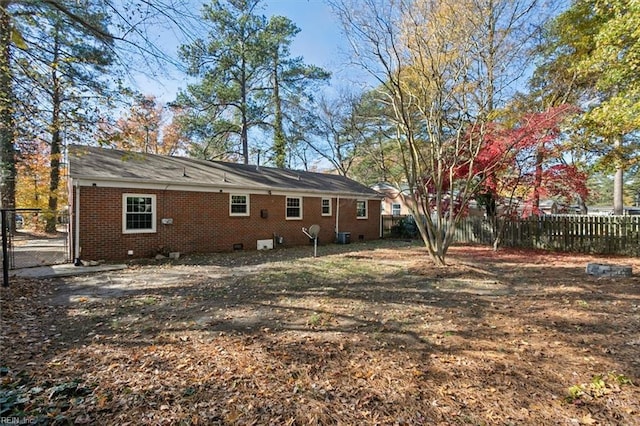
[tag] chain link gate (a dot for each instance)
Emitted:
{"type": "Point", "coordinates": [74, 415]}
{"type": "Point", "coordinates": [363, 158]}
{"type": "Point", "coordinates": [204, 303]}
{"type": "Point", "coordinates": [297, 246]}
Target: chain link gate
{"type": "Point", "coordinates": [25, 244]}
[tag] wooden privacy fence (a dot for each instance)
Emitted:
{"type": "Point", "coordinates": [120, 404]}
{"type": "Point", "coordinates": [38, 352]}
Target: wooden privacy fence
{"type": "Point", "coordinates": [571, 233]}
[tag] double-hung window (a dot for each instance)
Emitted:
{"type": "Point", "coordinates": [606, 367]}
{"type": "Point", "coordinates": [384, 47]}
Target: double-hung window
{"type": "Point", "coordinates": [294, 208]}
{"type": "Point", "coordinates": [326, 207]}
{"type": "Point", "coordinates": [396, 208]}
{"type": "Point", "coordinates": [361, 209]}
{"type": "Point", "coordinates": [138, 213]}
{"type": "Point", "coordinates": [238, 205]}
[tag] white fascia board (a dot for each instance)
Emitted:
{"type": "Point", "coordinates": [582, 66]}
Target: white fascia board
{"type": "Point", "coordinates": [324, 194]}
{"type": "Point", "coordinates": [206, 187]}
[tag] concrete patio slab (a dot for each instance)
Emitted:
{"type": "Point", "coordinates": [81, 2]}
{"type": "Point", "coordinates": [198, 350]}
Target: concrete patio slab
{"type": "Point", "coordinates": [64, 270]}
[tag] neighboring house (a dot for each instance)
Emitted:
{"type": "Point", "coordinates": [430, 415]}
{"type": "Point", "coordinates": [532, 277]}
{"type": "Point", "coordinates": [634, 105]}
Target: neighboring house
{"type": "Point", "coordinates": [631, 211]}
{"type": "Point", "coordinates": [394, 209]}
{"type": "Point", "coordinates": [550, 207]}
{"type": "Point", "coordinates": [126, 205]}
{"type": "Point", "coordinates": [393, 203]}
{"type": "Point", "coordinates": [608, 211]}
{"type": "Point", "coordinates": [396, 202]}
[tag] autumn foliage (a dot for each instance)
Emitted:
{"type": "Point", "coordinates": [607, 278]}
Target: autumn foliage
{"type": "Point", "coordinates": [33, 181]}
{"type": "Point", "coordinates": [525, 162]}
{"type": "Point", "coordinates": [147, 127]}
{"type": "Point", "coordinates": [517, 165]}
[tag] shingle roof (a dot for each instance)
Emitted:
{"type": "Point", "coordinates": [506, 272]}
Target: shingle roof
{"type": "Point", "coordinates": [101, 164]}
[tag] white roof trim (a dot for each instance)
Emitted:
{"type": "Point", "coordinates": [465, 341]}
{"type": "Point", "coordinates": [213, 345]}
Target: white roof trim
{"type": "Point", "coordinates": [204, 187]}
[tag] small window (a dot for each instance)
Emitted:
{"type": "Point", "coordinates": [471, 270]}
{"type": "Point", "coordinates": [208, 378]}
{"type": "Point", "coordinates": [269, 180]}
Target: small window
{"type": "Point", "coordinates": [238, 205]}
{"type": "Point", "coordinates": [326, 207]}
{"type": "Point", "coordinates": [294, 208]}
{"type": "Point", "coordinates": [361, 209]}
{"type": "Point", "coordinates": [139, 213]}
{"type": "Point", "coordinates": [396, 209]}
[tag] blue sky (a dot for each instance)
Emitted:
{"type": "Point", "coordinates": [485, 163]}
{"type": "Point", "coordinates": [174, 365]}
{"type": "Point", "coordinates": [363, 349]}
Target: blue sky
{"type": "Point", "coordinates": [319, 42]}
{"type": "Point", "coordinates": [319, 35]}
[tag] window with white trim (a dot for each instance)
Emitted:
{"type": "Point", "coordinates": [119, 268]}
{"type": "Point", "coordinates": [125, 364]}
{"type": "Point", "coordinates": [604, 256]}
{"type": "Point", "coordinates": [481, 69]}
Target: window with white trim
{"type": "Point", "coordinates": [138, 213]}
{"type": "Point", "coordinates": [361, 209]}
{"type": "Point", "coordinates": [238, 205]}
{"type": "Point", "coordinates": [294, 208]}
{"type": "Point", "coordinates": [326, 207]}
{"type": "Point", "coordinates": [396, 209]}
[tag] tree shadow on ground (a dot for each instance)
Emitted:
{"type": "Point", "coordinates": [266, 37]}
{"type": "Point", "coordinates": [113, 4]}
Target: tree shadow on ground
{"type": "Point", "coordinates": [356, 336]}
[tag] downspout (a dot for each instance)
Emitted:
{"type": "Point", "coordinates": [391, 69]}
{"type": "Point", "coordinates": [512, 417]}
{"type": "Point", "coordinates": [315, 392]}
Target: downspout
{"type": "Point", "coordinates": [162, 231]}
{"type": "Point", "coordinates": [76, 243]}
{"type": "Point", "coordinates": [380, 227]}
{"type": "Point", "coordinates": [70, 220]}
{"type": "Point", "coordinates": [337, 217]}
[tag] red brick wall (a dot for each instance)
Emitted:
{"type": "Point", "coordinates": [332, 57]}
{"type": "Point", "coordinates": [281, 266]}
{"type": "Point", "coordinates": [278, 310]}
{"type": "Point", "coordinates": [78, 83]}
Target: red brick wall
{"type": "Point", "coordinates": [202, 224]}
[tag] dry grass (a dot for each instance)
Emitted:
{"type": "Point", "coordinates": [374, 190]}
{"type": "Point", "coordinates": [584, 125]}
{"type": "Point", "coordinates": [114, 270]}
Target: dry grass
{"type": "Point", "coordinates": [364, 334]}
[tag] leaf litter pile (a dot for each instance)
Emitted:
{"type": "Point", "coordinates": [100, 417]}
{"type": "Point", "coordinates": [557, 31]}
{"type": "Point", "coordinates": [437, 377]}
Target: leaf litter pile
{"type": "Point", "coordinates": [366, 333]}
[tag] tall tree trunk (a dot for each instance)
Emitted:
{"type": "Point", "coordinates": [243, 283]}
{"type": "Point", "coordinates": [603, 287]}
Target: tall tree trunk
{"type": "Point", "coordinates": [618, 182]}
{"type": "Point", "coordinates": [244, 135]}
{"type": "Point", "coordinates": [537, 180]}
{"type": "Point", "coordinates": [7, 147]}
{"type": "Point", "coordinates": [490, 62]}
{"type": "Point", "coordinates": [56, 140]}
{"type": "Point", "coordinates": [279, 142]}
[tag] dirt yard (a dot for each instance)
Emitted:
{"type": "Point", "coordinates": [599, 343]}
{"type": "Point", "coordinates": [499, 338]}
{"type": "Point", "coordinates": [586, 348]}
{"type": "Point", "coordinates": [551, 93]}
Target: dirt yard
{"type": "Point", "coordinates": [364, 334]}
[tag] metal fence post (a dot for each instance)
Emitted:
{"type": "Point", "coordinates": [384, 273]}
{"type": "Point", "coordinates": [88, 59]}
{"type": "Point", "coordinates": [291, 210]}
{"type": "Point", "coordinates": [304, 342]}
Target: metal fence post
{"type": "Point", "coordinates": [5, 250]}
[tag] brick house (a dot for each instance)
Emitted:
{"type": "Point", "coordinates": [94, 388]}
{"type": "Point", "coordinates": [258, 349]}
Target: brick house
{"type": "Point", "coordinates": [393, 203]}
{"type": "Point", "coordinates": [131, 205]}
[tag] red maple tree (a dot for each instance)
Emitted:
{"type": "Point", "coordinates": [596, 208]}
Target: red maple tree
{"type": "Point", "coordinates": [525, 163]}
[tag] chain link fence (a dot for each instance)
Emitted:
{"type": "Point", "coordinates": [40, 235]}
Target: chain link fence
{"type": "Point", "coordinates": [27, 242]}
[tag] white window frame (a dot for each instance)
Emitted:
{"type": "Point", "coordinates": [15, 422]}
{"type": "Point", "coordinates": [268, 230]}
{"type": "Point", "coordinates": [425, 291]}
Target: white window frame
{"type": "Point", "coordinates": [286, 208]}
{"type": "Point", "coordinates": [366, 209]}
{"type": "Point", "coordinates": [322, 207]}
{"type": "Point", "coordinates": [151, 230]}
{"type": "Point", "coordinates": [247, 212]}
{"type": "Point", "coordinates": [393, 209]}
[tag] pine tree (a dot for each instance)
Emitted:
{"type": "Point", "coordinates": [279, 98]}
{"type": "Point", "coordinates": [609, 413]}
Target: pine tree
{"type": "Point", "coordinates": [63, 68]}
{"type": "Point", "coordinates": [248, 80]}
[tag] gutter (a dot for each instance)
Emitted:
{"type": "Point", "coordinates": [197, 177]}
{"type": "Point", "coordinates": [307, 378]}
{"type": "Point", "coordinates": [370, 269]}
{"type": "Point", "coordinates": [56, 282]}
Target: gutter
{"type": "Point", "coordinates": [208, 187]}
{"type": "Point", "coordinates": [337, 217]}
